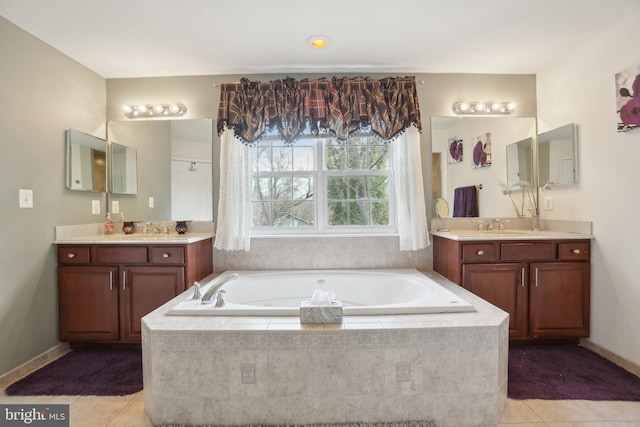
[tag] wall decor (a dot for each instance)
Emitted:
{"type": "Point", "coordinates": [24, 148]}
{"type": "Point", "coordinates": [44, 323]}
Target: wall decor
{"type": "Point", "coordinates": [482, 151]}
{"type": "Point", "coordinates": [455, 149]}
{"type": "Point", "coordinates": [628, 98]}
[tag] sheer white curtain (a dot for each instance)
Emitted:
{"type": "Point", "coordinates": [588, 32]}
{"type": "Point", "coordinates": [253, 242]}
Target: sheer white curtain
{"type": "Point", "coordinates": [411, 215]}
{"type": "Point", "coordinates": [234, 211]}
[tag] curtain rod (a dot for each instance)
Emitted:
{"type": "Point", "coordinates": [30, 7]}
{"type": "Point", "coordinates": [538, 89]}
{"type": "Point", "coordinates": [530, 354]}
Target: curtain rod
{"type": "Point", "coordinates": [217, 85]}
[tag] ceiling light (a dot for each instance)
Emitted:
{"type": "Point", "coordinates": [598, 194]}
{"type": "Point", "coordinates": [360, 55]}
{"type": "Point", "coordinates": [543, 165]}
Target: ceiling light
{"type": "Point", "coordinates": [495, 108]}
{"type": "Point", "coordinates": [157, 110]}
{"type": "Point", "coordinates": [318, 42]}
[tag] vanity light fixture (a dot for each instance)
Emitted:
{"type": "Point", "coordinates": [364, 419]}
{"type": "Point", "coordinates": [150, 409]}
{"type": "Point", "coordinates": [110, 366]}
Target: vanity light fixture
{"type": "Point", "coordinates": [485, 108]}
{"type": "Point", "coordinates": [157, 110]}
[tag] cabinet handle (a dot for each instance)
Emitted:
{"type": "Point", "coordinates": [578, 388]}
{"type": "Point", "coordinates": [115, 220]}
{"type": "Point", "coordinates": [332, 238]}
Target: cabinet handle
{"type": "Point", "coordinates": [480, 252]}
{"type": "Point", "coordinates": [71, 256]}
{"type": "Point", "coordinates": [124, 280]}
{"type": "Point", "coordinates": [166, 255]}
{"type": "Point", "coordinates": [536, 277]}
{"type": "Point", "coordinates": [576, 251]}
{"type": "Point", "coordinates": [522, 277]}
{"type": "Point", "coordinates": [111, 280]}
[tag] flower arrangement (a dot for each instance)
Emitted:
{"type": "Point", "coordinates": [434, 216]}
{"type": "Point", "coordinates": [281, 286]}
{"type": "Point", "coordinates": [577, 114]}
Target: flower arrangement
{"type": "Point", "coordinates": [527, 202]}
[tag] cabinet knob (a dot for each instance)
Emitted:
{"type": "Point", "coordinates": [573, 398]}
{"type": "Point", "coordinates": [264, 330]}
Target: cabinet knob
{"type": "Point", "coordinates": [576, 251]}
{"type": "Point", "coordinates": [71, 256]}
{"type": "Point", "coordinates": [166, 255]}
{"type": "Point", "coordinates": [481, 252]}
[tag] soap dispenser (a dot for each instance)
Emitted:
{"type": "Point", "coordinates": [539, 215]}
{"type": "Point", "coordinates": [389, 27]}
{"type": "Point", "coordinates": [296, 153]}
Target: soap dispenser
{"type": "Point", "coordinates": [108, 225]}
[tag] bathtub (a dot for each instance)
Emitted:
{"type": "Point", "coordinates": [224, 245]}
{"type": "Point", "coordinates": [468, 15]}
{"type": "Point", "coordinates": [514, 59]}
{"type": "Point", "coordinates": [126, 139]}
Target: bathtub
{"type": "Point", "coordinates": [361, 292]}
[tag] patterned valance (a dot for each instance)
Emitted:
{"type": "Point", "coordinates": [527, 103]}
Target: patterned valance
{"type": "Point", "coordinates": [340, 106]}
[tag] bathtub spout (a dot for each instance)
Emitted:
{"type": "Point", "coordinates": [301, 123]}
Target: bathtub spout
{"type": "Point", "coordinates": [214, 294]}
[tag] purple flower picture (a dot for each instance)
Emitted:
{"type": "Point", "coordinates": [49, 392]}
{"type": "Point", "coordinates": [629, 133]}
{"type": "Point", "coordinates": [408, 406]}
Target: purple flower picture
{"type": "Point", "coordinates": [628, 99]}
{"type": "Point", "coordinates": [481, 152]}
{"type": "Point", "coordinates": [455, 150]}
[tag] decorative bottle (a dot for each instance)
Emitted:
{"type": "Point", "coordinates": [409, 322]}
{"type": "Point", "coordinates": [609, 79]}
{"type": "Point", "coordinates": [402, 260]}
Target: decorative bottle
{"type": "Point", "coordinates": [108, 225]}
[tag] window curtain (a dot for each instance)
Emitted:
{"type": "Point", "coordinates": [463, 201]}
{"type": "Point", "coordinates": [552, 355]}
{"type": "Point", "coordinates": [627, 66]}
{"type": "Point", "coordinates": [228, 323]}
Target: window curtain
{"type": "Point", "coordinates": [411, 213]}
{"type": "Point", "coordinates": [234, 212]}
{"type": "Point", "coordinates": [340, 106]}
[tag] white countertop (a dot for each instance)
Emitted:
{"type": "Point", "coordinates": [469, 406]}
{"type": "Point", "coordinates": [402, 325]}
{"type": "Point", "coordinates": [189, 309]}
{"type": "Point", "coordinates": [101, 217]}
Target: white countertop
{"type": "Point", "coordinates": [471, 235]}
{"type": "Point", "coordinates": [136, 238]}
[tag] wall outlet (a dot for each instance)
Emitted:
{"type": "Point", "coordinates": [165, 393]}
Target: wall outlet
{"type": "Point", "coordinates": [95, 207]}
{"type": "Point", "coordinates": [152, 202]}
{"type": "Point", "coordinates": [548, 203]}
{"type": "Point", "coordinates": [26, 198]}
{"type": "Point", "coordinates": [115, 206]}
{"type": "Point", "coordinates": [248, 373]}
{"type": "Point", "coordinates": [403, 372]}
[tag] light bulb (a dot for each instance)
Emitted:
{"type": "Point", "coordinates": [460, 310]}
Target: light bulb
{"type": "Point", "coordinates": [127, 109]}
{"type": "Point", "coordinates": [142, 108]}
{"type": "Point", "coordinates": [158, 109]}
{"type": "Point", "coordinates": [464, 106]}
{"type": "Point", "coordinates": [495, 106]}
{"type": "Point", "coordinates": [480, 106]}
{"type": "Point", "coordinates": [174, 108]}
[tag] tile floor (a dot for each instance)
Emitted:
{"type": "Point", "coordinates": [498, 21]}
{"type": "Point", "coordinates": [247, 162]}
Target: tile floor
{"type": "Point", "coordinates": [128, 411]}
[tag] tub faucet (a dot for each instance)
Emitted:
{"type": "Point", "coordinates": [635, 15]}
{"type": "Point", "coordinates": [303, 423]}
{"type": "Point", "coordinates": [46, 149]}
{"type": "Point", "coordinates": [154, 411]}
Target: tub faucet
{"type": "Point", "coordinates": [214, 294]}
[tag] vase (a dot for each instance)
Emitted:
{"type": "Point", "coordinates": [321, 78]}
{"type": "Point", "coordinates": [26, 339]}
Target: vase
{"type": "Point", "coordinates": [181, 227]}
{"type": "Point", "coordinates": [128, 227]}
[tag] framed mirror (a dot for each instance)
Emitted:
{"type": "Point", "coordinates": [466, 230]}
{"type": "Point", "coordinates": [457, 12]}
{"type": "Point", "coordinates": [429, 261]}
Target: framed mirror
{"type": "Point", "coordinates": [86, 168]}
{"type": "Point", "coordinates": [456, 168]}
{"type": "Point", "coordinates": [557, 164]}
{"type": "Point", "coordinates": [124, 170]}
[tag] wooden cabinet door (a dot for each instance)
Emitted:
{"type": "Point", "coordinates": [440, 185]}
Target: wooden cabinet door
{"type": "Point", "coordinates": [87, 303]}
{"type": "Point", "coordinates": [559, 299]}
{"type": "Point", "coordinates": [145, 288]}
{"type": "Point", "coordinates": [503, 285]}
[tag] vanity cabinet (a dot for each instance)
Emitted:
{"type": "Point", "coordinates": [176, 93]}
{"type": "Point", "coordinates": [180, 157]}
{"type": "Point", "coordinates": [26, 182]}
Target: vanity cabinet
{"type": "Point", "coordinates": [543, 285]}
{"type": "Point", "coordinates": [104, 290]}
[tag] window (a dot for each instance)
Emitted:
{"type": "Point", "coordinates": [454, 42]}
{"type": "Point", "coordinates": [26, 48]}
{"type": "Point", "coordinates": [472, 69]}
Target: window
{"type": "Point", "coordinates": [318, 185]}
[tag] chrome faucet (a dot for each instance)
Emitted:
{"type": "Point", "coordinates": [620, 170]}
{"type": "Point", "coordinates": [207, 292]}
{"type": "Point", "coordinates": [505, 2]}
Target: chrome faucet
{"type": "Point", "coordinates": [214, 293]}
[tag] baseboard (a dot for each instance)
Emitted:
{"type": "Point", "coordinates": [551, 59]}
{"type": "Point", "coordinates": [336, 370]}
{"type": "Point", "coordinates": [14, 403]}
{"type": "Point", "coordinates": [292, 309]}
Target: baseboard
{"type": "Point", "coordinates": [34, 364]}
{"type": "Point", "coordinates": [612, 357]}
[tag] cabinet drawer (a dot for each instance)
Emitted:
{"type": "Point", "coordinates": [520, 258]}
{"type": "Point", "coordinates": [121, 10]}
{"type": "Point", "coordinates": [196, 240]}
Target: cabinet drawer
{"type": "Point", "coordinates": [574, 251]}
{"type": "Point", "coordinates": [166, 255]}
{"type": "Point", "coordinates": [480, 252]}
{"type": "Point", "coordinates": [73, 255]}
{"type": "Point", "coordinates": [121, 254]}
{"type": "Point", "coordinates": [530, 251]}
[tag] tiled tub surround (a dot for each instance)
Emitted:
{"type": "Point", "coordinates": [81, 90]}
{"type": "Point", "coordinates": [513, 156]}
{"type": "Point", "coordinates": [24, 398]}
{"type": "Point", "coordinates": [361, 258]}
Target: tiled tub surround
{"type": "Point", "coordinates": [450, 368]}
{"type": "Point", "coordinates": [322, 252]}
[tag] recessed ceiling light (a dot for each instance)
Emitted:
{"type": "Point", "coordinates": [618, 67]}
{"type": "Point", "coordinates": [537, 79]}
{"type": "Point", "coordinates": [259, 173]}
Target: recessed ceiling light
{"type": "Point", "coordinates": [318, 42]}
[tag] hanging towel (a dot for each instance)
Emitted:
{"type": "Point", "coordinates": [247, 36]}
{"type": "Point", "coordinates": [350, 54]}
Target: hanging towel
{"type": "Point", "coordinates": [465, 202]}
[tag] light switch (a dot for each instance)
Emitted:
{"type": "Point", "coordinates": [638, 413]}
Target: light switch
{"type": "Point", "coordinates": [152, 202]}
{"type": "Point", "coordinates": [26, 198]}
{"type": "Point", "coordinates": [115, 206]}
{"type": "Point", "coordinates": [95, 207]}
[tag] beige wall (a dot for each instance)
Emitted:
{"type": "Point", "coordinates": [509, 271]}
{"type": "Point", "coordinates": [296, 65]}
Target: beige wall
{"type": "Point", "coordinates": [580, 88]}
{"type": "Point", "coordinates": [42, 94]}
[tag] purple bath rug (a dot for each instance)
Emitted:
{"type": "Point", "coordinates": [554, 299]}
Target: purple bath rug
{"type": "Point", "coordinates": [84, 372]}
{"type": "Point", "coordinates": [555, 372]}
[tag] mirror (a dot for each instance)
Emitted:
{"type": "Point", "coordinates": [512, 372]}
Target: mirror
{"type": "Point", "coordinates": [175, 168]}
{"type": "Point", "coordinates": [86, 162]}
{"type": "Point", "coordinates": [520, 163]}
{"type": "Point", "coordinates": [124, 173]}
{"type": "Point", "coordinates": [557, 150]}
{"type": "Point", "coordinates": [458, 170]}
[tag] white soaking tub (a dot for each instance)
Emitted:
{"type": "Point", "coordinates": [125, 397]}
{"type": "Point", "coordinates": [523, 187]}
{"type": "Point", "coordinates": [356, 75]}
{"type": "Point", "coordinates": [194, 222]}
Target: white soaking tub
{"type": "Point", "coordinates": [361, 292]}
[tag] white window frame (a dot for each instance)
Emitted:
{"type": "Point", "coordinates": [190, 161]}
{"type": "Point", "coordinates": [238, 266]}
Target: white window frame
{"type": "Point", "coordinates": [320, 177]}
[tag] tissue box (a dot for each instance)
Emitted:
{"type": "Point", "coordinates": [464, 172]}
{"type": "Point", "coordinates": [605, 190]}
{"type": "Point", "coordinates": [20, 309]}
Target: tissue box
{"type": "Point", "coordinates": [330, 313]}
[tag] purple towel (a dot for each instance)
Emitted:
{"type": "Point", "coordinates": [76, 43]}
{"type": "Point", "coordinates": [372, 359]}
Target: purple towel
{"type": "Point", "coordinates": [465, 202]}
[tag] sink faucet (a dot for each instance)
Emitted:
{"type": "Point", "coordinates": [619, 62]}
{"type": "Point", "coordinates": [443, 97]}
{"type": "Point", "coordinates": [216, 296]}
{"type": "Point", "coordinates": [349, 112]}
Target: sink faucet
{"type": "Point", "coordinates": [214, 293]}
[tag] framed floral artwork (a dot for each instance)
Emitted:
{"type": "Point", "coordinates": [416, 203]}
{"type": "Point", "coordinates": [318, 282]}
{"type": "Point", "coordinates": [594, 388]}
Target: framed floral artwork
{"type": "Point", "coordinates": [455, 149]}
{"type": "Point", "coordinates": [628, 98]}
{"type": "Point", "coordinates": [482, 151]}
